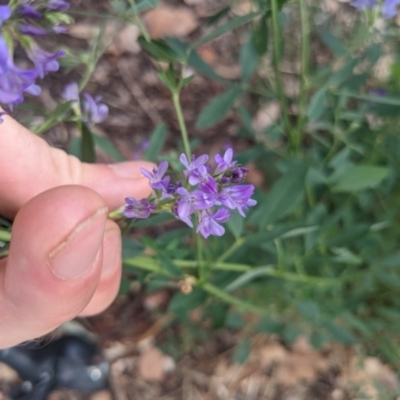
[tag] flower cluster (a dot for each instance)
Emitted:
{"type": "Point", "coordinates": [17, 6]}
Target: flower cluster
{"type": "Point", "coordinates": [22, 20]}
{"type": "Point", "coordinates": [209, 193]}
{"type": "Point", "coordinates": [91, 109]}
{"type": "Point", "coordinates": [389, 7]}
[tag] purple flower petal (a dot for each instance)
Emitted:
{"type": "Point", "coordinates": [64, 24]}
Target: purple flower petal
{"type": "Point", "coordinates": [138, 209]}
{"type": "Point", "coordinates": [5, 14]}
{"type": "Point", "coordinates": [28, 11]}
{"type": "Point", "coordinates": [32, 30]}
{"type": "Point", "coordinates": [71, 92]}
{"type": "Point", "coordinates": [95, 111]}
{"type": "Point", "coordinates": [389, 8]}
{"type": "Point", "coordinates": [58, 5]}
{"type": "Point", "coordinates": [44, 61]}
{"type": "Point", "coordinates": [224, 163]}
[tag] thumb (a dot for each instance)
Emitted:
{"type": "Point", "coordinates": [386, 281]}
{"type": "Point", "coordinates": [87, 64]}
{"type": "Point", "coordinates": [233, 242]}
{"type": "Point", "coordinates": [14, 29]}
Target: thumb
{"type": "Point", "coordinates": [54, 264]}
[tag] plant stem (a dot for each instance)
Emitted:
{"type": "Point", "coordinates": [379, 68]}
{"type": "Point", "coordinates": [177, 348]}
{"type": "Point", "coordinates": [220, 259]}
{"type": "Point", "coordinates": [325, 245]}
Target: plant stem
{"type": "Point", "coordinates": [242, 305]}
{"type": "Point", "coordinates": [278, 75]}
{"type": "Point", "coordinates": [182, 125]}
{"type": "Point", "coordinates": [305, 56]}
{"type": "Point", "coordinates": [139, 21]}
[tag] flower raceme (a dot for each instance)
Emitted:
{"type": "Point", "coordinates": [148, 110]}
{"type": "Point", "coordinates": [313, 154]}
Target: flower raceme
{"type": "Point", "coordinates": [208, 194]}
{"type": "Point", "coordinates": [28, 19]}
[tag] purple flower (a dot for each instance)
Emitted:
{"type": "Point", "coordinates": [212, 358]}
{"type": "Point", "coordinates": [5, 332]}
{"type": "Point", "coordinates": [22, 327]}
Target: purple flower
{"type": "Point", "coordinates": [94, 109]}
{"type": "Point", "coordinates": [59, 29]}
{"type": "Point", "coordinates": [5, 14]}
{"type": "Point", "coordinates": [195, 171]}
{"type": "Point", "coordinates": [210, 223]}
{"type": "Point", "coordinates": [58, 5]}
{"type": "Point", "coordinates": [138, 209]}
{"type": "Point", "coordinates": [28, 11]}
{"type": "Point", "coordinates": [224, 163]}
{"type": "Point", "coordinates": [189, 202]}
{"type": "Point", "coordinates": [238, 197]}
{"type": "Point", "coordinates": [156, 178]}
{"type": "Point", "coordinates": [14, 81]}
{"type": "Point", "coordinates": [389, 8]}
{"type": "Point", "coordinates": [71, 92]}
{"type": "Point", "coordinates": [45, 62]}
{"type": "Point", "coordinates": [363, 4]}
{"type": "Point", "coordinates": [32, 30]}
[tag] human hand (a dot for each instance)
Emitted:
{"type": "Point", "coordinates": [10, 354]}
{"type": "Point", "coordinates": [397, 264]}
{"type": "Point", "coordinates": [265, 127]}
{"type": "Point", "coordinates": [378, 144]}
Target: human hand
{"type": "Point", "coordinates": [65, 255]}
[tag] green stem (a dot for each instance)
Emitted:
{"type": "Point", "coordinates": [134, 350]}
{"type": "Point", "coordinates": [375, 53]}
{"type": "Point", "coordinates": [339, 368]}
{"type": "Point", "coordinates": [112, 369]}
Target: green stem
{"type": "Point", "coordinates": [278, 75]}
{"type": "Point", "coordinates": [5, 236]}
{"type": "Point", "coordinates": [139, 21]}
{"type": "Point", "coordinates": [240, 304]}
{"type": "Point", "coordinates": [182, 125]}
{"type": "Point", "coordinates": [305, 57]}
{"type": "Point", "coordinates": [151, 264]}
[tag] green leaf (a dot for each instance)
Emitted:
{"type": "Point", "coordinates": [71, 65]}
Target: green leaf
{"type": "Point", "coordinates": [317, 105]}
{"type": "Point", "coordinates": [157, 140]}
{"type": "Point", "coordinates": [236, 224]}
{"type": "Point", "coordinates": [107, 146]}
{"type": "Point", "coordinates": [247, 277]}
{"type": "Point", "coordinates": [242, 351]}
{"type": "Point", "coordinates": [182, 303]}
{"type": "Point", "coordinates": [248, 59]}
{"type": "Point", "coordinates": [285, 194]}
{"type": "Point", "coordinates": [216, 110]}
{"type": "Point", "coordinates": [168, 264]}
{"type": "Point", "coordinates": [87, 145]}
{"type": "Point", "coordinates": [334, 44]}
{"type": "Point", "coordinates": [203, 68]}
{"type": "Point", "coordinates": [308, 309]}
{"type": "Point", "coordinates": [227, 27]}
{"type": "Point", "coordinates": [260, 36]}
{"type": "Point", "coordinates": [131, 248]}
{"type": "Point", "coordinates": [158, 49]}
{"type": "Point", "coordinates": [146, 4]}
{"type": "Point", "coordinates": [343, 74]}
{"type": "Point", "coordinates": [360, 177]}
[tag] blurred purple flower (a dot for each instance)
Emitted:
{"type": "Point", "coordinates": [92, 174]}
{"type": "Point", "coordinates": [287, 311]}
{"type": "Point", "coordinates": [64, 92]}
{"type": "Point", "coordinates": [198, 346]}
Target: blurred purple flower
{"type": "Point", "coordinates": [363, 4]}
{"type": "Point", "coordinates": [138, 208]}
{"type": "Point", "coordinates": [14, 81]}
{"type": "Point", "coordinates": [5, 14]}
{"type": "Point", "coordinates": [44, 61]}
{"type": "Point", "coordinates": [210, 223]}
{"type": "Point", "coordinates": [58, 5]}
{"type": "Point", "coordinates": [389, 8]}
{"type": "Point", "coordinates": [28, 11]}
{"type": "Point", "coordinates": [156, 178]}
{"type": "Point", "coordinates": [94, 109]}
{"type": "Point", "coordinates": [71, 92]}
{"type": "Point", "coordinates": [32, 30]}
{"type": "Point", "coordinates": [224, 163]}
{"type": "Point", "coordinates": [238, 197]}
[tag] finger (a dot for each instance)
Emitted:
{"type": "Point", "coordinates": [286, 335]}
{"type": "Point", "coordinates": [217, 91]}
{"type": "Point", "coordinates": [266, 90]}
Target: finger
{"type": "Point", "coordinates": [110, 279]}
{"type": "Point", "coordinates": [54, 264]}
{"type": "Point", "coordinates": [29, 166]}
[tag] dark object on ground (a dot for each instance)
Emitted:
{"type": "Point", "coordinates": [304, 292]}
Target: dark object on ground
{"type": "Point", "coordinates": [71, 362]}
